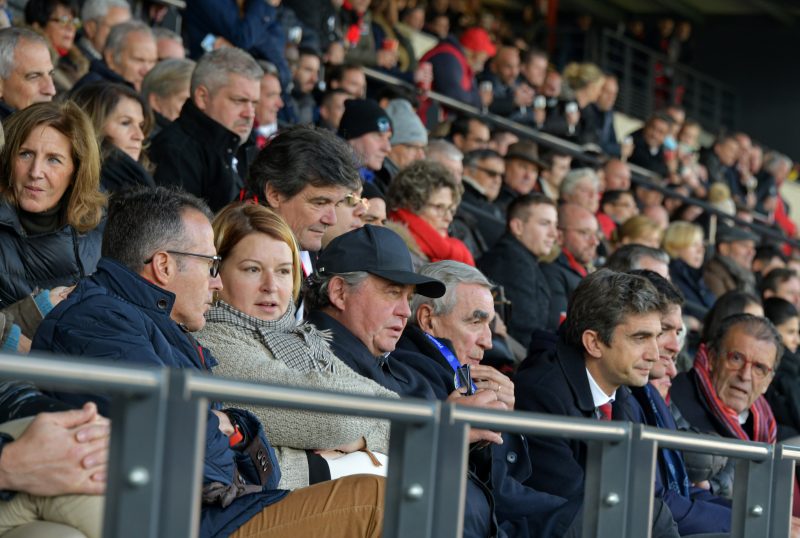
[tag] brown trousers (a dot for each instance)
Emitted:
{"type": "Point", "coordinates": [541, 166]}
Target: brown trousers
{"type": "Point", "coordinates": [349, 507]}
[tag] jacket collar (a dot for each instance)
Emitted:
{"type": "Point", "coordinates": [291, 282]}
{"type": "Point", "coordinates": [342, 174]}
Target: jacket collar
{"type": "Point", "coordinates": [131, 287]}
{"type": "Point", "coordinates": [101, 68]}
{"type": "Point", "coordinates": [573, 365]}
{"type": "Point", "coordinates": [214, 134]}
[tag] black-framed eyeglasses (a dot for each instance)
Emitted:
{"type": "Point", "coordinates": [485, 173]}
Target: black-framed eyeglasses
{"type": "Point", "coordinates": [490, 171]}
{"type": "Point", "coordinates": [213, 261]}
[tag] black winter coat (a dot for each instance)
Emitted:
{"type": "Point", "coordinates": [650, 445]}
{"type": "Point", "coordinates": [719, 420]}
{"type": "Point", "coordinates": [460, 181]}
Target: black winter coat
{"type": "Point", "coordinates": [196, 153]}
{"type": "Point", "coordinates": [562, 280]}
{"type": "Point", "coordinates": [514, 267]}
{"type": "Point", "coordinates": [43, 261]}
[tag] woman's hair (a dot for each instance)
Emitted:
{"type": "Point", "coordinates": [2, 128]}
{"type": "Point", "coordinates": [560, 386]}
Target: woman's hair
{"type": "Point", "coordinates": [415, 183]}
{"type": "Point", "coordinates": [580, 75]}
{"type": "Point", "coordinates": [85, 201]}
{"type": "Point", "coordinates": [240, 219]}
{"type": "Point", "coordinates": [728, 304]}
{"type": "Point", "coordinates": [635, 228]}
{"type": "Point", "coordinates": [40, 11]}
{"type": "Point", "coordinates": [680, 235]}
{"type": "Point", "coordinates": [779, 310]}
{"type": "Point", "coordinates": [100, 99]}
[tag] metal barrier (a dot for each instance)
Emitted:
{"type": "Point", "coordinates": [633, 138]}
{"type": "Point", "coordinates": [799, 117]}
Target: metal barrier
{"type": "Point", "coordinates": [158, 437]}
{"type": "Point", "coordinates": [649, 81]}
{"type": "Point", "coordinates": [639, 176]}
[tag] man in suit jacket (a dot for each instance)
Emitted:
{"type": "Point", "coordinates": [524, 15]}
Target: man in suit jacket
{"type": "Point", "coordinates": [609, 340]}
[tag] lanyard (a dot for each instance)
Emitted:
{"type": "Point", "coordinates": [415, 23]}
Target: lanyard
{"type": "Point", "coordinates": [451, 360]}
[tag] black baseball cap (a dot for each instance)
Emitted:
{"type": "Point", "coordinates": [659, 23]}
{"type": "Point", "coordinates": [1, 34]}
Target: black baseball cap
{"type": "Point", "coordinates": [379, 251]}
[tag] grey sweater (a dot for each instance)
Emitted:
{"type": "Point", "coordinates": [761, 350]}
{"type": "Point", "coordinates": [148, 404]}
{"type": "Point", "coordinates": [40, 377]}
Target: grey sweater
{"type": "Point", "coordinates": [242, 355]}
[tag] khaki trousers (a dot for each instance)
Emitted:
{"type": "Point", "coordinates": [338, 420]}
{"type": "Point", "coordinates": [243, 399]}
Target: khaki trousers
{"type": "Point", "coordinates": [349, 507]}
{"type": "Point", "coordinates": [83, 512]}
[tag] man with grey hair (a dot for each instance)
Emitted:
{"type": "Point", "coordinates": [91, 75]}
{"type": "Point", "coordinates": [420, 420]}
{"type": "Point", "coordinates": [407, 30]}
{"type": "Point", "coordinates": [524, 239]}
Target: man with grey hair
{"type": "Point", "coordinates": [166, 89]}
{"type": "Point", "coordinates": [632, 257]}
{"type": "Point", "coordinates": [581, 187]}
{"type": "Point", "coordinates": [98, 17]}
{"type": "Point", "coordinates": [207, 151]}
{"type": "Point", "coordinates": [169, 44]}
{"type": "Point", "coordinates": [26, 70]}
{"type": "Point", "coordinates": [448, 154]}
{"type": "Point", "coordinates": [130, 53]}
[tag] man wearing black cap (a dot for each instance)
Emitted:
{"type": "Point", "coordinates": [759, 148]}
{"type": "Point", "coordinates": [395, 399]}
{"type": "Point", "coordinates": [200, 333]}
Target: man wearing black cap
{"type": "Point", "coordinates": [730, 267]}
{"type": "Point", "coordinates": [367, 128]}
{"type": "Point", "coordinates": [361, 293]}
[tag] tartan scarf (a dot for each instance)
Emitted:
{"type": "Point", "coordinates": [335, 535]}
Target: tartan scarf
{"type": "Point", "coordinates": [764, 427]}
{"type": "Point", "coordinates": [300, 346]}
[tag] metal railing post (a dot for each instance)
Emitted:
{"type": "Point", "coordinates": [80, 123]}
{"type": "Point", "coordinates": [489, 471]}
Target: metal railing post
{"type": "Point", "coordinates": [606, 497]}
{"type": "Point", "coordinates": [184, 449]}
{"type": "Point", "coordinates": [783, 477]}
{"type": "Point", "coordinates": [410, 484]}
{"type": "Point", "coordinates": [752, 489]}
{"type": "Point", "coordinates": [451, 475]}
{"type": "Point", "coordinates": [642, 484]}
{"type": "Point", "coordinates": [135, 464]}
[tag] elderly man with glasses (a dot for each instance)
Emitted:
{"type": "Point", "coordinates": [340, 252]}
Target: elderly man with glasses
{"type": "Point", "coordinates": [723, 392]}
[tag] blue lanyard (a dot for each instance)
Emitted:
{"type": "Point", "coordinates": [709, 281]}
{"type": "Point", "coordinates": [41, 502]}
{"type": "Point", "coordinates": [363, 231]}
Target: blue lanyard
{"type": "Point", "coordinates": [451, 360]}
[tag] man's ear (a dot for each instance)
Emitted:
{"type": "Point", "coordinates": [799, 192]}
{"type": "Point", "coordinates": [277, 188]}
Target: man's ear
{"type": "Point", "coordinates": [592, 344]}
{"type": "Point", "coordinates": [201, 97]}
{"type": "Point", "coordinates": [274, 198]}
{"type": "Point", "coordinates": [515, 226]}
{"type": "Point", "coordinates": [425, 318]}
{"type": "Point", "coordinates": [90, 28]}
{"type": "Point", "coordinates": [108, 58]}
{"type": "Point", "coordinates": [161, 270]}
{"type": "Point", "coordinates": [337, 291]}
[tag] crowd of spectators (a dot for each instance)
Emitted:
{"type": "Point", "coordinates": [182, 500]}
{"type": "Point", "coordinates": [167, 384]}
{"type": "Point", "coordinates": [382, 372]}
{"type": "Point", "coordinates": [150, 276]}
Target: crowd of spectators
{"type": "Point", "coordinates": [240, 200]}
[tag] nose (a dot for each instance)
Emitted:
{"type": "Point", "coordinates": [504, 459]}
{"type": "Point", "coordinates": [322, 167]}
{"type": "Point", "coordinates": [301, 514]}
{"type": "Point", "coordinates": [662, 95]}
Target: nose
{"type": "Point", "coordinates": [137, 134]}
{"type": "Point", "coordinates": [485, 338]}
{"type": "Point", "coordinates": [35, 169]}
{"type": "Point", "coordinates": [403, 308]}
{"type": "Point", "coordinates": [215, 283]}
{"type": "Point", "coordinates": [268, 281]}
{"type": "Point", "coordinates": [328, 216]}
{"type": "Point", "coordinates": [47, 87]}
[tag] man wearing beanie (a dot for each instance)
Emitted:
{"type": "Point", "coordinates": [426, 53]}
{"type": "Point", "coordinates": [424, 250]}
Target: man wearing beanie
{"type": "Point", "coordinates": [409, 141]}
{"type": "Point", "coordinates": [457, 62]}
{"type": "Point", "coordinates": [367, 128]}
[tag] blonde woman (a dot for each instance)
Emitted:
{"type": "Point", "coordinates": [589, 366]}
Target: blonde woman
{"type": "Point", "coordinates": [683, 241]}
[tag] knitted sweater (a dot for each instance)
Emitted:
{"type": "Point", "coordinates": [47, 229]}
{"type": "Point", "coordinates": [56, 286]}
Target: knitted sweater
{"type": "Point", "coordinates": [242, 355]}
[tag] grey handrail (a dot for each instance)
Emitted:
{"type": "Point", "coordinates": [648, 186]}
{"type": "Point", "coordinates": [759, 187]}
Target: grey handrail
{"type": "Point", "coordinates": [696, 442]}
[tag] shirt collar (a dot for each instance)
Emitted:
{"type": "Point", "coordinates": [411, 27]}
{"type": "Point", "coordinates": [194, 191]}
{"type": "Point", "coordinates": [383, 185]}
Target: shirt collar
{"type": "Point", "coordinates": [598, 396]}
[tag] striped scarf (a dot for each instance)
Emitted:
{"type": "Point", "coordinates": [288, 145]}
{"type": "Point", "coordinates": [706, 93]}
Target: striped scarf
{"type": "Point", "coordinates": [764, 427]}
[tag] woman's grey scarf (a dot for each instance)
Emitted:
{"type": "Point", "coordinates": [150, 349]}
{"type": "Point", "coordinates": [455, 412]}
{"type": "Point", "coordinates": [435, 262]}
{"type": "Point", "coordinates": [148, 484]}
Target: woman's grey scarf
{"type": "Point", "coordinates": [301, 346]}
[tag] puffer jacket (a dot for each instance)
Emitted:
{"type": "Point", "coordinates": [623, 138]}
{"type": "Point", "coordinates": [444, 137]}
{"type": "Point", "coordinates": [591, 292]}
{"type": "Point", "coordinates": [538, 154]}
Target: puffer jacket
{"type": "Point", "coordinates": [42, 261]}
{"type": "Point", "coordinates": [117, 315]}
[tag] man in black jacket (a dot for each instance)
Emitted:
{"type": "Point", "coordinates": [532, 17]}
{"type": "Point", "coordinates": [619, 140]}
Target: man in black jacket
{"type": "Point", "coordinates": [609, 340]}
{"type": "Point", "coordinates": [648, 144]}
{"type": "Point", "coordinates": [514, 264]}
{"type": "Point", "coordinates": [207, 150]}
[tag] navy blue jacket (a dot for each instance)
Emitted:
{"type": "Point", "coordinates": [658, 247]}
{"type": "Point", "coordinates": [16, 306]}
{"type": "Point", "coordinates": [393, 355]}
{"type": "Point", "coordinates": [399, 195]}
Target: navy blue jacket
{"type": "Point", "coordinates": [117, 315]}
{"type": "Point", "coordinates": [701, 512]}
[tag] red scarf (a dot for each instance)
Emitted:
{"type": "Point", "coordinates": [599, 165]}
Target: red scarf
{"type": "Point", "coordinates": [764, 427]}
{"type": "Point", "coordinates": [574, 264]}
{"type": "Point", "coordinates": [432, 244]}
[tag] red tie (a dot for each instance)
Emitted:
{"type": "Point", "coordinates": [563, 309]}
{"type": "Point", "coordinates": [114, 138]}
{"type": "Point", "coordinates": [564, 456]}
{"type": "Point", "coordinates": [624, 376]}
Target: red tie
{"type": "Point", "coordinates": [605, 411]}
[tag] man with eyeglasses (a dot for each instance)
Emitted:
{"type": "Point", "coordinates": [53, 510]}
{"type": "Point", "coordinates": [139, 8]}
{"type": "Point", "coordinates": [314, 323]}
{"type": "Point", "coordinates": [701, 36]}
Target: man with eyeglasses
{"type": "Point", "coordinates": [152, 287]}
{"type": "Point", "coordinates": [723, 392]}
{"type": "Point", "coordinates": [483, 178]}
{"type": "Point", "coordinates": [577, 235]}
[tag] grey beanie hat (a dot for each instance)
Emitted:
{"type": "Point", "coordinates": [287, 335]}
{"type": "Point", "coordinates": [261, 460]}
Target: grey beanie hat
{"type": "Point", "coordinates": [407, 128]}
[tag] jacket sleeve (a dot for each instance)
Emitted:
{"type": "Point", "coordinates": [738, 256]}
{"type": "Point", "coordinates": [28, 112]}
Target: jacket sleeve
{"type": "Point", "coordinates": [558, 291]}
{"type": "Point", "coordinates": [178, 165]}
{"type": "Point", "coordinates": [447, 74]}
{"type": "Point", "coordinates": [243, 359]}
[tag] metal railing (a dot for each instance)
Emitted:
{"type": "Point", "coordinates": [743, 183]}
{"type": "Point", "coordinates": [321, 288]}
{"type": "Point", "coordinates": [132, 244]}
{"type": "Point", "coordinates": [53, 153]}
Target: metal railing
{"type": "Point", "coordinates": [649, 81]}
{"type": "Point", "coordinates": [158, 425]}
{"type": "Point", "coordinates": [639, 176]}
